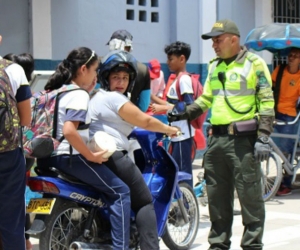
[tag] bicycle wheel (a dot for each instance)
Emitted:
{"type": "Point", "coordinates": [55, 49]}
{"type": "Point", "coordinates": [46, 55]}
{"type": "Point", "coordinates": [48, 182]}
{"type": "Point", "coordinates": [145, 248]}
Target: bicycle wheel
{"type": "Point", "coordinates": [271, 176]}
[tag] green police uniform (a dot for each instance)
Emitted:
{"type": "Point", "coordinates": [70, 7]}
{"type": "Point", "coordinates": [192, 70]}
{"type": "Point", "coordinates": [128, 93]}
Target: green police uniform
{"type": "Point", "coordinates": [229, 161]}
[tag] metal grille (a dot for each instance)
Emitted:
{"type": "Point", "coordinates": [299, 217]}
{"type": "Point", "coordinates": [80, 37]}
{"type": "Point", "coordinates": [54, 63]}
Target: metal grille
{"type": "Point", "coordinates": [285, 11]}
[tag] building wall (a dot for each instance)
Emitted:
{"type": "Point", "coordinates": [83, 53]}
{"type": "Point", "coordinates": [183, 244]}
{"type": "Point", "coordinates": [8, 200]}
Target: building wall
{"type": "Point", "coordinates": [51, 28]}
{"type": "Point", "coordinates": [14, 26]}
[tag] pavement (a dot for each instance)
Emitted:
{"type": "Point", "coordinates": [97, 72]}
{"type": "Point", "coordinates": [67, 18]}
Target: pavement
{"type": "Point", "coordinates": [282, 226]}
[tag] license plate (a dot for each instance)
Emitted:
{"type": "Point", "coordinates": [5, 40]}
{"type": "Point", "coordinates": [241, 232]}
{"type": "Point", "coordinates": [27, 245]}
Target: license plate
{"type": "Point", "coordinates": [40, 205]}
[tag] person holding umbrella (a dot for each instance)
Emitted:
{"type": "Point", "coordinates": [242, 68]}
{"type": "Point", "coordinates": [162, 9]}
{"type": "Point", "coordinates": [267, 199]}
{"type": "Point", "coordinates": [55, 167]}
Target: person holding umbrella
{"type": "Point", "coordinates": [286, 85]}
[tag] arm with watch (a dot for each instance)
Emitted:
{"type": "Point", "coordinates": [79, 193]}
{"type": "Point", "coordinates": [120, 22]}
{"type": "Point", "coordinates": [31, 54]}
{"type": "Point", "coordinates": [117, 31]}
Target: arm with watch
{"type": "Point", "coordinates": [262, 148]}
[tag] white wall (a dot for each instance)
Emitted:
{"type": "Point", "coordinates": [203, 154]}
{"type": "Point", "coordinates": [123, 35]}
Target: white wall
{"type": "Point", "coordinates": [58, 26]}
{"type": "Point", "coordinates": [41, 29]}
{"type": "Point", "coordinates": [91, 22]}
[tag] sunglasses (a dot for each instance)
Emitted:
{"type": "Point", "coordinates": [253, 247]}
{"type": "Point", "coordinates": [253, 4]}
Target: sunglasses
{"type": "Point", "coordinates": [93, 54]}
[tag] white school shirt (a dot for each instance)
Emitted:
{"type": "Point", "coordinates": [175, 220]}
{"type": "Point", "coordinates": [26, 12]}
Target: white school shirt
{"type": "Point", "coordinates": [185, 86]}
{"type": "Point", "coordinates": [104, 112]}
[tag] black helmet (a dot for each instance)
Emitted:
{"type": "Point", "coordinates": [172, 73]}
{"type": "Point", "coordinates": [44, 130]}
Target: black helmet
{"type": "Point", "coordinates": [118, 61]}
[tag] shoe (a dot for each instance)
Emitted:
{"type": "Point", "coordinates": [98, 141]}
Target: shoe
{"type": "Point", "coordinates": [283, 191]}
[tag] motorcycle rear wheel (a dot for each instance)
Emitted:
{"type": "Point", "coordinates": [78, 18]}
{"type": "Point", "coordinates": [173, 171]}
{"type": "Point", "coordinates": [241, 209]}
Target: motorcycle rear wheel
{"type": "Point", "coordinates": [64, 225]}
{"type": "Point", "coordinates": [179, 235]}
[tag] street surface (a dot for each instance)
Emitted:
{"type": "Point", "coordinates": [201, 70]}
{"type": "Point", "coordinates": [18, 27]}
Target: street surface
{"type": "Point", "coordinates": [282, 227]}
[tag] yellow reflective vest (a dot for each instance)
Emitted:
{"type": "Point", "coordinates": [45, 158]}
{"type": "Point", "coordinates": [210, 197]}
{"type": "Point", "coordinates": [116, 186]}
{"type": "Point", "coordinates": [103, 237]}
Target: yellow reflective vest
{"type": "Point", "coordinates": [247, 87]}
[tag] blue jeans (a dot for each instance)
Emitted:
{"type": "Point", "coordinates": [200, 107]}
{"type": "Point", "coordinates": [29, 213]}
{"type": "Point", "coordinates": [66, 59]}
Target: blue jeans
{"type": "Point", "coordinates": [182, 155]}
{"type": "Point", "coordinates": [117, 194]}
{"type": "Point", "coordinates": [285, 145]}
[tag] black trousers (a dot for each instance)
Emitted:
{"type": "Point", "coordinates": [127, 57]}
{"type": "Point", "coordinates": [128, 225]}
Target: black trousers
{"type": "Point", "coordinates": [12, 202]}
{"type": "Point", "coordinates": [141, 199]}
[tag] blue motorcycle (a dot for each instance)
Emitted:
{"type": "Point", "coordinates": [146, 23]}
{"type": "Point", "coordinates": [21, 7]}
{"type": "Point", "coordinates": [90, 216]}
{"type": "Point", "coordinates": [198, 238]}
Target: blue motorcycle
{"type": "Point", "coordinates": [72, 215]}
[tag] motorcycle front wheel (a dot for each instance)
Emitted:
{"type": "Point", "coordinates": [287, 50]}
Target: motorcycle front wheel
{"type": "Point", "coordinates": [64, 225]}
{"type": "Point", "coordinates": [179, 235]}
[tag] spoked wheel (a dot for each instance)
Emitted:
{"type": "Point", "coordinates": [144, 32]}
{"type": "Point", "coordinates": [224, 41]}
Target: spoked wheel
{"type": "Point", "coordinates": [179, 235]}
{"type": "Point", "coordinates": [64, 225]}
{"type": "Point", "coordinates": [271, 176]}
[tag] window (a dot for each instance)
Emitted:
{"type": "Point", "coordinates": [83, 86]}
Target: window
{"type": "Point", "coordinates": [131, 2]}
{"type": "Point", "coordinates": [285, 11]}
{"type": "Point", "coordinates": [154, 3]}
{"type": "Point", "coordinates": [130, 14]}
{"type": "Point", "coordinates": [154, 17]}
{"type": "Point", "coordinates": [142, 2]}
{"type": "Point", "coordinates": [142, 16]}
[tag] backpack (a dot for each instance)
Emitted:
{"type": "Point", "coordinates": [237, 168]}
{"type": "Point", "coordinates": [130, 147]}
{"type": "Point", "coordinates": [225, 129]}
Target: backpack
{"type": "Point", "coordinates": [199, 138]}
{"type": "Point", "coordinates": [39, 140]}
{"type": "Point", "coordinates": [276, 89]}
{"type": "Point", "coordinates": [9, 117]}
{"type": "Point", "coordinates": [197, 88]}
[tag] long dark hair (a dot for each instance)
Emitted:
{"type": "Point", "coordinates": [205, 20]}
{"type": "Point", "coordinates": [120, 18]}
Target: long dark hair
{"type": "Point", "coordinates": [25, 60]}
{"type": "Point", "coordinates": [67, 69]}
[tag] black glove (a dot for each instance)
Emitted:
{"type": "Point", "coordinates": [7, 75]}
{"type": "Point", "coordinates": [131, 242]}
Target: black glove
{"type": "Point", "coordinates": [262, 149]}
{"type": "Point", "coordinates": [172, 117]}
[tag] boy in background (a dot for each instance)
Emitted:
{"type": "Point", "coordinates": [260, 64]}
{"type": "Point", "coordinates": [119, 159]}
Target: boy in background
{"type": "Point", "coordinates": [157, 81]}
{"type": "Point", "coordinates": [178, 54]}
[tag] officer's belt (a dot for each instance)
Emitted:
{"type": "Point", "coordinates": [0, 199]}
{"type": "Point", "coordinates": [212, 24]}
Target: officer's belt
{"type": "Point", "coordinates": [220, 129]}
{"type": "Point", "coordinates": [240, 128]}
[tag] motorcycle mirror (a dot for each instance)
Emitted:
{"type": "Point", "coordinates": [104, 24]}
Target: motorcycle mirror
{"type": "Point", "coordinates": [179, 108]}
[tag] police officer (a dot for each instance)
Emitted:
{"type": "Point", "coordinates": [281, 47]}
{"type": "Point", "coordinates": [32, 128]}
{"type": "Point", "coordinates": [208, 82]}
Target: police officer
{"type": "Point", "coordinates": [237, 88]}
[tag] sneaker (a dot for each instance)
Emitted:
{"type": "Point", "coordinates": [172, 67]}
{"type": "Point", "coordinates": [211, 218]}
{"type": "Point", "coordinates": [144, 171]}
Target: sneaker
{"type": "Point", "coordinates": [283, 191]}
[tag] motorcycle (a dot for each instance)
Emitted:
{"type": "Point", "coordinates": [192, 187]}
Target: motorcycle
{"type": "Point", "coordinates": [72, 215]}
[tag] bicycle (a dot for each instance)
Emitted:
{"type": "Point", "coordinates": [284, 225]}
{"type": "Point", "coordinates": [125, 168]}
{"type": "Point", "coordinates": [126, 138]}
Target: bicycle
{"type": "Point", "coordinates": [272, 168]}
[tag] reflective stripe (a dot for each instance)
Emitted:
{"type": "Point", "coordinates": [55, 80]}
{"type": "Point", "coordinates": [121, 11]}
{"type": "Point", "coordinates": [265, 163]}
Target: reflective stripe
{"type": "Point", "coordinates": [246, 70]}
{"type": "Point", "coordinates": [234, 92]}
{"type": "Point", "coordinates": [243, 91]}
{"type": "Point", "coordinates": [212, 69]}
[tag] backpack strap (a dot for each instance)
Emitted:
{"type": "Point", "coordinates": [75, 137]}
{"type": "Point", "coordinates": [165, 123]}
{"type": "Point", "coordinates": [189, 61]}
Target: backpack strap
{"type": "Point", "coordinates": [171, 79]}
{"type": "Point", "coordinates": [278, 83]}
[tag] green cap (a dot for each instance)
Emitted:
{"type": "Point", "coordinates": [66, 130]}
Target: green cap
{"type": "Point", "coordinates": [221, 27]}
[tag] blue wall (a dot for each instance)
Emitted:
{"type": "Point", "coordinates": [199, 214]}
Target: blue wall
{"type": "Point", "coordinates": [41, 64]}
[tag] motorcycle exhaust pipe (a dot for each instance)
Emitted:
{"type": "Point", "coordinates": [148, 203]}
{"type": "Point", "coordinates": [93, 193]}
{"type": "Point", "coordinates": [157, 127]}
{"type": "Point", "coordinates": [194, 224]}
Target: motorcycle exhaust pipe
{"type": "Point", "coordinates": [89, 246]}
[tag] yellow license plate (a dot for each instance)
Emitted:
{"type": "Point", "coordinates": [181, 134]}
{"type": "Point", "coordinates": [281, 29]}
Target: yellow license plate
{"type": "Point", "coordinates": [40, 205]}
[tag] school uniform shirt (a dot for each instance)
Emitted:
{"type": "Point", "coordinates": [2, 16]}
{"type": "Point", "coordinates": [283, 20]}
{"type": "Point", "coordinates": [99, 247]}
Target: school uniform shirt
{"type": "Point", "coordinates": [19, 83]}
{"type": "Point", "coordinates": [73, 106]}
{"type": "Point", "coordinates": [185, 86]}
{"type": "Point", "coordinates": [104, 109]}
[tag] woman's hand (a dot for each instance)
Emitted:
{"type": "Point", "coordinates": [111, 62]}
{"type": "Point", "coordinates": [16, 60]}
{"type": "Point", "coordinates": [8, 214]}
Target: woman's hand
{"type": "Point", "coordinates": [98, 157]}
{"type": "Point", "coordinates": [174, 131]}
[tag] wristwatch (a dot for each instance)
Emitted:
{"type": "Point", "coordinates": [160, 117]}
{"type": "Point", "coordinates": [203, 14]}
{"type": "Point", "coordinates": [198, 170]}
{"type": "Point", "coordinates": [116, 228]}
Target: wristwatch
{"type": "Point", "coordinates": [264, 139]}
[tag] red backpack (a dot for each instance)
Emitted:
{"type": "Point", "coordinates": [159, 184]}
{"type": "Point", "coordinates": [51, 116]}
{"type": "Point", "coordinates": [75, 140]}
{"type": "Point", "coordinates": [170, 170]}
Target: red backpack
{"type": "Point", "coordinates": [197, 88]}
